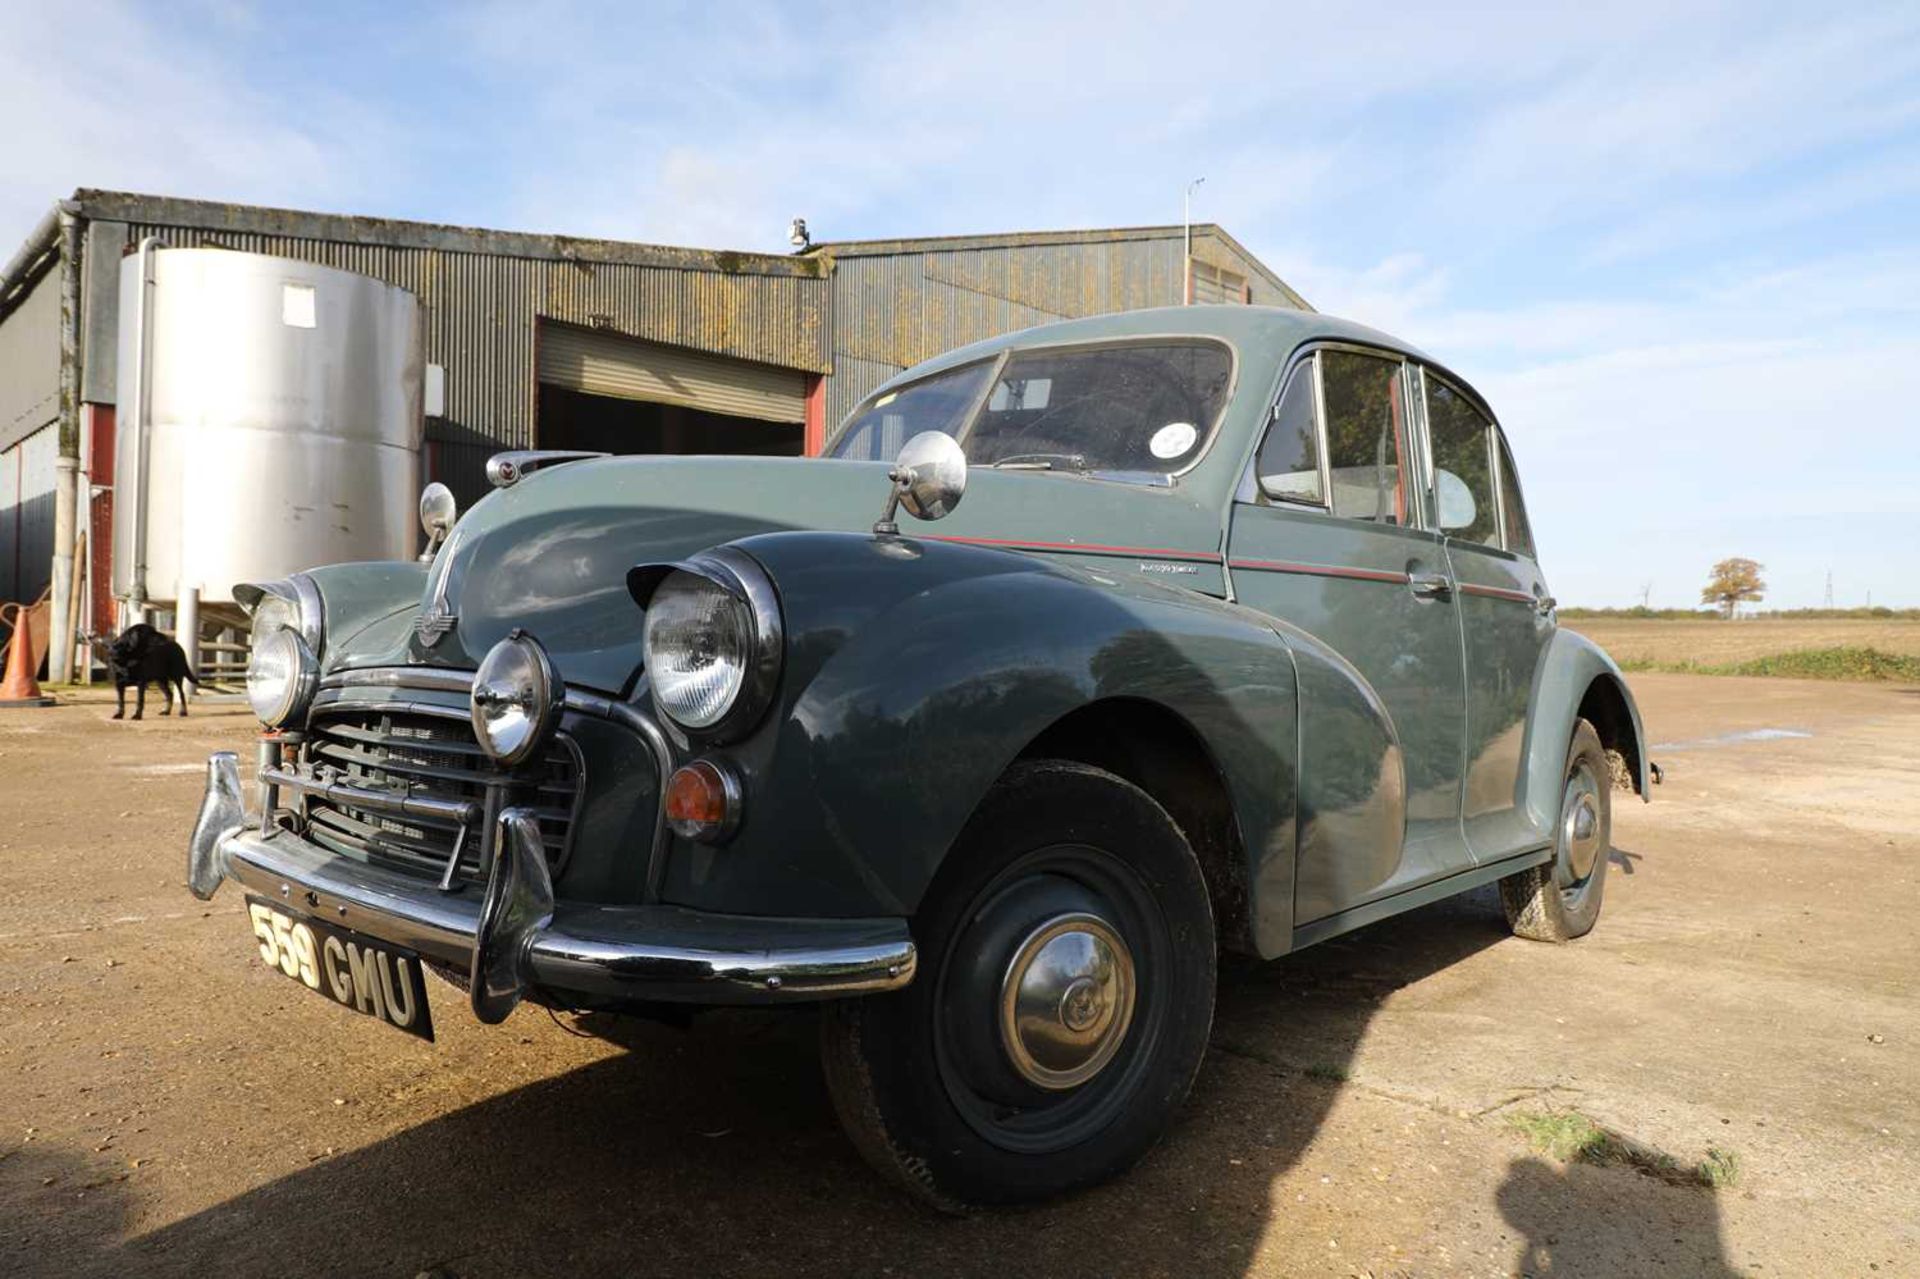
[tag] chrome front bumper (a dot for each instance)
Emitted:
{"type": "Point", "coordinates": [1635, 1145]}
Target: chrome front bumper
{"type": "Point", "coordinates": [515, 937]}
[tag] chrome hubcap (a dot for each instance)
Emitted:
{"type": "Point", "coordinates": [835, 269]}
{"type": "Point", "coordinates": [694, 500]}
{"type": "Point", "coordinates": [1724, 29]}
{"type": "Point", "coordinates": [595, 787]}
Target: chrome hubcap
{"type": "Point", "coordinates": [1579, 827]}
{"type": "Point", "coordinates": [1066, 1001]}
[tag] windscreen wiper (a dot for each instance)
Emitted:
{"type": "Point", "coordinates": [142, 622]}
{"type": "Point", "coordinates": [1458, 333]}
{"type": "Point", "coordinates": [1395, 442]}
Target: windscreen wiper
{"type": "Point", "coordinates": [1039, 461]}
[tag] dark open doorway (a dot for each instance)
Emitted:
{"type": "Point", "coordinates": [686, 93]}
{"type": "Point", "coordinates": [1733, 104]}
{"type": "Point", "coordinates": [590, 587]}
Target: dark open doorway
{"type": "Point", "coordinates": [605, 424]}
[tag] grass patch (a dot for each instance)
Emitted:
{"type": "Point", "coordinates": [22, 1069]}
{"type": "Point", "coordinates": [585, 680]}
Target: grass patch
{"type": "Point", "coordinates": [1570, 1137]}
{"type": "Point", "coordinates": [1640, 614]}
{"type": "Point", "coordinates": [1329, 1072]}
{"type": "Point", "coordinates": [1846, 662]}
{"type": "Point", "coordinates": [1720, 1169]}
{"type": "Point", "coordinates": [1565, 1135]}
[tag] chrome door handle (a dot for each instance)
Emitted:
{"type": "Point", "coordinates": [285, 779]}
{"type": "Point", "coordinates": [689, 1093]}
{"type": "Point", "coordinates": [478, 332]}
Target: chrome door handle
{"type": "Point", "coordinates": [1430, 585]}
{"type": "Point", "coordinates": [1545, 604]}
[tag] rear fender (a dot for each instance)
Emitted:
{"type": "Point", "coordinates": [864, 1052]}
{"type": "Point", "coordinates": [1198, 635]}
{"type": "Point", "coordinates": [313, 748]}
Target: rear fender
{"type": "Point", "coordinates": [1577, 679]}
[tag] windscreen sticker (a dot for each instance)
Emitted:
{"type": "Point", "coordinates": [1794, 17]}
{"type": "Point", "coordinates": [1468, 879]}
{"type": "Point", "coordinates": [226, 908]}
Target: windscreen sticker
{"type": "Point", "coordinates": [1173, 439]}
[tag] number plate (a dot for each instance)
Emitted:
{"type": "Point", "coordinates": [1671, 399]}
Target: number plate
{"type": "Point", "coordinates": [352, 969]}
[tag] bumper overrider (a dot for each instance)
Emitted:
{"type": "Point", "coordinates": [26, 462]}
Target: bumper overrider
{"type": "Point", "coordinates": [515, 938]}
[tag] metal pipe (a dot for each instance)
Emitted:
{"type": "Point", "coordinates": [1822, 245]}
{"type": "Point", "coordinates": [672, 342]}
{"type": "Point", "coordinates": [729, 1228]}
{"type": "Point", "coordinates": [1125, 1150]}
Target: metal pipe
{"type": "Point", "coordinates": [1186, 264]}
{"type": "Point", "coordinates": [66, 500]}
{"type": "Point", "coordinates": [186, 631]}
{"type": "Point", "coordinates": [142, 406]}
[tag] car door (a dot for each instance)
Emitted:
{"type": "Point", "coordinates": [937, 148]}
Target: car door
{"type": "Point", "coordinates": [1325, 536]}
{"type": "Point", "coordinates": [1505, 614]}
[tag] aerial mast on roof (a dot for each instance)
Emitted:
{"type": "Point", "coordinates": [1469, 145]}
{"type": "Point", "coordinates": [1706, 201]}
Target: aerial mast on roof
{"type": "Point", "coordinates": [1186, 221]}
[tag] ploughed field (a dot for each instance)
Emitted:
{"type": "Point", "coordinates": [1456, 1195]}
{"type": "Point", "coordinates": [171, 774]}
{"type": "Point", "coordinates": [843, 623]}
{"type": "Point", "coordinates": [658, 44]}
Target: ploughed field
{"type": "Point", "coordinates": [1724, 1078]}
{"type": "Point", "coordinates": [1636, 641]}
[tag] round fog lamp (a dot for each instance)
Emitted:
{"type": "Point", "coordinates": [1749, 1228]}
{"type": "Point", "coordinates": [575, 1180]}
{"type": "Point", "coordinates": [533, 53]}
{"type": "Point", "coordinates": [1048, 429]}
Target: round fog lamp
{"type": "Point", "coordinates": [281, 677]}
{"type": "Point", "coordinates": [516, 698]}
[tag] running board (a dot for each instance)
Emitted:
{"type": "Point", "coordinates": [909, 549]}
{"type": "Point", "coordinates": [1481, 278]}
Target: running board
{"type": "Point", "coordinates": [1386, 907]}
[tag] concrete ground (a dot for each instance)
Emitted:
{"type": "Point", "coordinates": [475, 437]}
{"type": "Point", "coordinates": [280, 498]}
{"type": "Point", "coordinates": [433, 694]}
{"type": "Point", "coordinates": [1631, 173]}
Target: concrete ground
{"type": "Point", "coordinates": [168, 1106]}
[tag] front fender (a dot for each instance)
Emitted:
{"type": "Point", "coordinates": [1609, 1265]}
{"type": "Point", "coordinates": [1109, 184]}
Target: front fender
{"type": "Point", "coordinates": [1572, 670]}
{"type": "Point", "coordinates": [347, 610]}
{"type": "Point", "coordinates": [918, 671]}
{"type": "Point", "coordinates": [369, 608]}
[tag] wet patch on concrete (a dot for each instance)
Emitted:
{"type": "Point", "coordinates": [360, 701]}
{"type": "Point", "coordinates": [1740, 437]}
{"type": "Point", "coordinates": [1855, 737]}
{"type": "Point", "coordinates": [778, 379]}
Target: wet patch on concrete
{"type": "Point", "coordinates": [1734, 739]}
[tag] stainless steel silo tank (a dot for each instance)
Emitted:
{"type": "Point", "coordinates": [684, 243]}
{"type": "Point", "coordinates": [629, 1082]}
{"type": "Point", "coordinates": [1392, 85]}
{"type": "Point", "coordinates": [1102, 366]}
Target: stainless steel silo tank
{"type": "Point", "coordinates": [269, 421]}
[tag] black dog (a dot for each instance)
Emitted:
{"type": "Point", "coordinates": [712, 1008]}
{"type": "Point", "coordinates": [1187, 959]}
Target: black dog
{"type": "Point", "coordinates": [140, 656]}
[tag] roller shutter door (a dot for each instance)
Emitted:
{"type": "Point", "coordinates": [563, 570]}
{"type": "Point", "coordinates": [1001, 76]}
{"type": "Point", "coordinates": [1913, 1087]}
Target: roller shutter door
{"type": "Point", "coordinates": [629, 369]}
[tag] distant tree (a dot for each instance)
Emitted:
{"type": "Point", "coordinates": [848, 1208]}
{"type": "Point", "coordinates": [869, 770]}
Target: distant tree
{"type": "Point", "coordinates": [1732, 583]}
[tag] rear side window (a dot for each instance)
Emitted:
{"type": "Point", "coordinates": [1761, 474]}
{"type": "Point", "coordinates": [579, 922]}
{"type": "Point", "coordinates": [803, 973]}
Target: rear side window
{"type": "Point", "coordinates": [1519, 536]}
{"type": "Point", "coordinates": [1364, 413]}
{"type": "Point", "coordinates": [1289, 464]}
{"type": "Point", "coordinates": [1462, 465]}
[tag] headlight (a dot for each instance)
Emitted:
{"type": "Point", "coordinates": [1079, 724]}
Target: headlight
{"type": "Point", "coordinates": [292, 603]}
{"type": "Point", "coordinates": [281, 676]}
{"type": "Point", "coordinates": [275, 613]}
{"type": "Point", "coordinates": [516, 698]}
{"type": "Point", "coordinates": [712, 640]}
{"type": "Point", "coordinates": [697, 641]}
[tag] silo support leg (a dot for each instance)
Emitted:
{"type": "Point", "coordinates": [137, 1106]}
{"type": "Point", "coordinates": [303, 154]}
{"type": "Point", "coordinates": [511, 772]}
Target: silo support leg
{"type": "Point", "coordinates": [186, 631]}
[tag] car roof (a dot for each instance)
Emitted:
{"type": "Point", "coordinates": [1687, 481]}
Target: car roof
{"type": "Point", "coordinates": [1255, 332]}
{"type": "Point", "coordinates": [1264, 339]}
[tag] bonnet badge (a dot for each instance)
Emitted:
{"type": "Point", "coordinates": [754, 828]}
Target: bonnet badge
{"type": "Point", "coordinates": [434, 623]}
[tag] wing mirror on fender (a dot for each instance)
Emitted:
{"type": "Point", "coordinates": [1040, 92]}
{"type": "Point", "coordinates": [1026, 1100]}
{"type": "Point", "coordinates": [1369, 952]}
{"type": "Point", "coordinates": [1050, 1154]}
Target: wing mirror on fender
{"type": "Point", "coordinates": [929, 477]}
{"type": "Point", "coordinates": [438, 512]}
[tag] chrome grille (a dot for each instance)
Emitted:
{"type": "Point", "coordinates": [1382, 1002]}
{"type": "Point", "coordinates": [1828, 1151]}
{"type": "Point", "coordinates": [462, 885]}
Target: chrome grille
{"type": "Point", "coordinates": [437, 757]}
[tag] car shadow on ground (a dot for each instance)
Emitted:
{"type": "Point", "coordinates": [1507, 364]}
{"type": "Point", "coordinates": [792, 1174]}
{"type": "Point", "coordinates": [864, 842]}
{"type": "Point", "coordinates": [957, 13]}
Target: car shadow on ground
{"type": "Point", "coordinates": [715, 1150]}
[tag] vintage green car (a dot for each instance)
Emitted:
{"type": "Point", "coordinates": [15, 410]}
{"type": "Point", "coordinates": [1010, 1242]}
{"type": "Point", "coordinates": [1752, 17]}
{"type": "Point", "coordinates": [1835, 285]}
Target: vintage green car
{"type": "Point", "coordinates": [1237, 640]}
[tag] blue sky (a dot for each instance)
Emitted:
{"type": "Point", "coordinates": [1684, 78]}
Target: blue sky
{"type": "Point", "coordinates": [1677, 245]}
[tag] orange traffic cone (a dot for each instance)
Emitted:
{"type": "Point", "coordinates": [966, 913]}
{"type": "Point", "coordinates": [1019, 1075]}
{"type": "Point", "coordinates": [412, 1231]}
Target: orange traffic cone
{"type": "Point", "coordinates": [19, 687]}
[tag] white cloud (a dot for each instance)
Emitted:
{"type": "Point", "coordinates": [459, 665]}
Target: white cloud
{"type": "Point", "coordinates": [106, 94]}
{"type": "Point", "coordinates": [1673, 242]}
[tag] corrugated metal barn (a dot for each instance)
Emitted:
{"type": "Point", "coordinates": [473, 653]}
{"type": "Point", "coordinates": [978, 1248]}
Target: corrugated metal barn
{"type": "Point", "coordinates": [551, 341]}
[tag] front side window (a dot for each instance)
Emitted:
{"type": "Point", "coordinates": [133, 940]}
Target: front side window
{"type": "Point", "coordinates": [1364, 412]}
{"type": "Point", "coordinates": [1519, 536]}
{"type": "Point", "coordinates": [1462, 465]}
{"type": "Point", "coordinates": [1288, 467]}
{"type": "Point", "coordinates": [1143, 410]}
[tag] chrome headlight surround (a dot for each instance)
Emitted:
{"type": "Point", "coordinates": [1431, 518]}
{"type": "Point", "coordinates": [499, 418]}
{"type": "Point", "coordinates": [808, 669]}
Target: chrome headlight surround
{"type": "Point", "coordinates": [281, 681]}
{"type": "Point", "coordinates": [517, 698]}
{"type": "Point", "coordinates": [304, 611]}
{"type": "Point", "coordinates": [734, 581]}
{"type": "Point", "coordinates": [282, 675]}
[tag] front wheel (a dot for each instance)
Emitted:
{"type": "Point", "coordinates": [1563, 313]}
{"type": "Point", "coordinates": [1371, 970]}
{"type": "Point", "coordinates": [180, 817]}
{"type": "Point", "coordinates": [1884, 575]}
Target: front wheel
{"type": "Point", "coordinates": [1062, 1006]}
{"type": "Point", "coordinates": [1560, 900]}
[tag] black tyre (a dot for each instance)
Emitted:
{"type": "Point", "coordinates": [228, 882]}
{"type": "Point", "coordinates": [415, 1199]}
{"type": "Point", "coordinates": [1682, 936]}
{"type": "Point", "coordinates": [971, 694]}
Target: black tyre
{"type": "Point", "coordinates": [1560, 900]}
{"type": "Point", "coordinates": [1063, 1002]}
